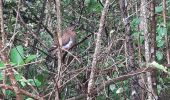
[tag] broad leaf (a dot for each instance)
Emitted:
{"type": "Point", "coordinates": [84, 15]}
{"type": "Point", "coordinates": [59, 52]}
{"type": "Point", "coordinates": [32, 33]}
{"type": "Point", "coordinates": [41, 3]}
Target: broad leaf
{"type": "Point", "coordinates": [159, 66]}
{"type": "Point", "coordinates": [112, 87]}
{"type": "Point", "coordinates": [34, 82]}
{"type": "Point", "coordinates": [17, 55]}
{"type": "Point", "coordinates": [158, 9]}
{"type": "Point", "coordinates": [30, 58]}
{"type": "Point", "coordinates": [159, 55]}
{"type": "Point", "coordinates": [2, 65]}
{"type": "Point", "coordinates": [120, 90]}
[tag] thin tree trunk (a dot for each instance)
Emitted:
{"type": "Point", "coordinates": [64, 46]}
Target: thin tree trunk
{"type": "Point", "coordinates": [91, 82]}
{"type": "Point", "coordinates": [166, 35]}
{"type": "Point", "coordinates": [144, 28]}
{"type": "Point", "coordinates": [58, 41]}
{"type": "Point", "coordinates": [3, 38]}
{"type": "Point", "coordinates": [129, 50]}
{"type": "Point", "coordinates": [153, 46]}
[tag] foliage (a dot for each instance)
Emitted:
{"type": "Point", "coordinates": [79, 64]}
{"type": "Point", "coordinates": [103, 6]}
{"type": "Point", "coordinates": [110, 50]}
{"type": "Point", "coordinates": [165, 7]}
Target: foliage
{"type": "Point", "coordinates": [35, 37]}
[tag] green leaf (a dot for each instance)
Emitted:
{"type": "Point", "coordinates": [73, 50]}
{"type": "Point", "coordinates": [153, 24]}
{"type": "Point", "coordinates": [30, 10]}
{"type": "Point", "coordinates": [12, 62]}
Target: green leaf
{"type": "Point", "coordinates": [23, 83]}
{"type": "Point", "coordinates": [29, 99]}
{"type": "Point", "coordinates": [30, 58]}
{"type": "Point", "coordinates": [136, 21]}
{"type": "Point", "coordinates": [17, 55]}
{"type": "Point", "coordinates": [160, 43]}
{"type": "Point", "coordinates": [40, 78]}
{"type": "Point", "coordinates": [34, 82]}
{"type": "Point", "coordinates": [161, 30]}
{"type": "Point", "coordinates": [142, 39]}
{"type": "Point", "coordinates": [159, 66]}
{"type": "Point", "coordinates": [1, 76]}
{"type": "Point", "coordinates": [93, 6]}
{"type": "Point", "coordinates": [87, 2]}
{"type": "Point", "coordinates": [120, 90]}
{"type": "Point", "coordinates": [159, 38]}
{"type": "Point", "coordinates": [158, 9]}
{"type": "Point", "coordinates": [159, 55]}
{"type": "Point", "coordinates": [2, 65]}
{"type": "Point", "coordinates": [18, 77]}
{"type": "Point", "coordinates": [112, 87]}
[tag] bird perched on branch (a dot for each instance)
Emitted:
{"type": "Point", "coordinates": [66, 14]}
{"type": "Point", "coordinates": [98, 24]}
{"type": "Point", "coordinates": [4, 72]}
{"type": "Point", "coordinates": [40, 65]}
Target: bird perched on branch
{"type": "Point", "coordinates": [68, 38]}
{"type": "Point", "coordinates": [68, 41]}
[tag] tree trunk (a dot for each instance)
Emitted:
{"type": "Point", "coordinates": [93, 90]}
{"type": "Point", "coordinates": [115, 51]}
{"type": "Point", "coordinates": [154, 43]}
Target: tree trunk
{"type": "Point", "coordinates": [91, 82]}
{"type": "Point", "coordinates": [129, 50]}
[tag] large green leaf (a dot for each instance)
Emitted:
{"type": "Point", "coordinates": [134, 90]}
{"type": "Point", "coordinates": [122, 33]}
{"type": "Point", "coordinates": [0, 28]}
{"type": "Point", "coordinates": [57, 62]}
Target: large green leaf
{"type": "Point", "coordinates": [30, 58]}
{"type": "Point", "coordinates": [158, 9]}
{"type": "Point", "coordinates": [17, 55]}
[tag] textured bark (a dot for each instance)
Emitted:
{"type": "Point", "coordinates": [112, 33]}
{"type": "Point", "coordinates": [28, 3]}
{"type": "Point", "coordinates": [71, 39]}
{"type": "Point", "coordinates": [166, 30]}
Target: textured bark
{"type": "Point", "coordinates": [2, 23]}
{"type": "Point", "coordinates": [91, 82]}
{"type": "Point", "coordinates": [153, 45]}
{"type": "Point", "coordinates": [129, 50]}
{"type": "Point", "coordinates": [58, 41]}
{"type": "Point", "coordinates": [3, 35]}
{"type": "Point", "coordinates": [166, 35]}
{"type": "Point", "coordinates": [144, 13]}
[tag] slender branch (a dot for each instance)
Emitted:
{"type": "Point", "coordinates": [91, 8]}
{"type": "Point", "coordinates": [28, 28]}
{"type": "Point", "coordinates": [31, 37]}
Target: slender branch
{"type": "Point", "coordinates": [97, 51]}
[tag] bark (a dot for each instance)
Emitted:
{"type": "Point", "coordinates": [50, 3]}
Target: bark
{"type": "Point", "coordinates": [91, 83]}
{"type": "Point", "coordinates": [153, 45]}
{"type": "Point", "coordinates": [166, 35]}
{"type": "Point", "coordinates": [58, 41]}
{"type": "Point", "coordinates": [144, 29]}
{"type": "Point", "coordinates": [3, 35]}
{"type": "Point", "coordinates": [129, 50]}
{"type": "Point", "coordinates": [2, 23]}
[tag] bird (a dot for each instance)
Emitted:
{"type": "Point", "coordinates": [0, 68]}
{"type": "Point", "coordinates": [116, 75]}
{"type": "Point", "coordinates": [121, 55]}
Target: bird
{"type": "Point", "coordinates": [68, 38]}
{"type": "Point", "coordinates": [68, 41]}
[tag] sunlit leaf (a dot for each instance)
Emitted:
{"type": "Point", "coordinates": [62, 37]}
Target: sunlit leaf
{"type": "Point", "coordinates": [30, 58]}
{"type": "Point", "coordinates": [29, 99]}
{"type": "Point", "coordinates": [23, 83]}
{"type": "Point", "coordinates": [2, 65]}
{"type": "Point", "coordinates": [159, 66]}
{"type": "Point", "coordinates": [112, 87]}
{"type": "Point", "coordinates": [120, 90]}
{"type": "Point", "coordinates": [17, 55]}
{"type": "Point", "coordinates": [160, 43]}
{"type": "Point", "coordinates": [1, 76]}
{"type": "Point", "coordinates": [34, 82]}
{"type": "Point", "coordinates": [159, 55]}
{"type": "Point", "coordinates": [158, 9]}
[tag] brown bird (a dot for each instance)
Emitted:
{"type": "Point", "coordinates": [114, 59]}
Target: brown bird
{"type": "Point", "coordinates": [68, 38]}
